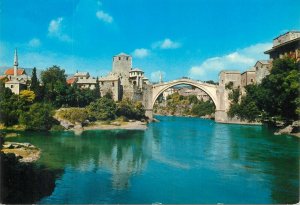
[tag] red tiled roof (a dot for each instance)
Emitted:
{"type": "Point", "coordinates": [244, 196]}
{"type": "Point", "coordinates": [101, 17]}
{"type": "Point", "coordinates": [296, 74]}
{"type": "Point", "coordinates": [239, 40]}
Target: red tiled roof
{"type": "Point", "coordinates": [71, 81]}
{"type": "Point", "coordinates": [10, 71]}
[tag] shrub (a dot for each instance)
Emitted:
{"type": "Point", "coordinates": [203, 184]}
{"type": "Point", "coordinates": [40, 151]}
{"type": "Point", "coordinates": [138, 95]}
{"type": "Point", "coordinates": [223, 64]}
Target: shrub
{"type": "Point", "coordinates": [102, 109]}
{"type": "Point", "coordinates": [39, 117]}
{"type": "Point", "coordinates": [74, 114]}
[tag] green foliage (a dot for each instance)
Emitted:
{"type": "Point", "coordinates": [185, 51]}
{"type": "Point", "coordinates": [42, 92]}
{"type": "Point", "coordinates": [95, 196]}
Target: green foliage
{"type": "Point", "coordinates": [39, 117]}
{"type": "Point", "coordinates": [130, 110]}
{"type": "Point", "coordinates": [11, 106]}
{"type": "Point", "coordinates": [281, 89]}
{"type": "Point", "coordinates": [276, 97]}
{"type": "Point", "coordinates": [229, 85]}
{"type": "Point", "coordinates": [35, 86]}
{"type": "Point", "coordinates": [202, 108]}
{"type": "Point", "coordinates": [74, 114]}
{"type": "Point", "coordinates": [193, 99]}
{"type": "Point", "coordinates": [76, 97]}
{"type": "Point", "coordinates": [27, 95]}
{"type": "Point", "coordinates": [57, 128]}
{"type": "Point", "coordinates": [211, 82]}
{"type": "Point", "coordinates": [185, 105]}
{"type": "Point", "coordinates": [55, 86]}
{"type": "Point", "coordinates": [97, 89]}
{"type": "Point", "coordinates": [234, 95]}
{"type": "Point", "coordinates": [102, 109]}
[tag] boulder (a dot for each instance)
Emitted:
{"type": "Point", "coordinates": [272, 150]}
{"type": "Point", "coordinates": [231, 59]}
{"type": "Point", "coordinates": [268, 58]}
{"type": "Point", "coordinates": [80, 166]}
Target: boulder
{"type": "Point", "coordinates": [286, 130]}
{"type": "Point", "coordinates": [115, 123]}
{"type": "Point", "coordinates": [66, 124]}
{"type": "Point", "coordinates": [77, 127]}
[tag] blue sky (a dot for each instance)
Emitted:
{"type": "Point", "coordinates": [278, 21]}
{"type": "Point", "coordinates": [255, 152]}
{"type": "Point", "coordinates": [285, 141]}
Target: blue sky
{"type": "Point", "coordinates": [194, 38]}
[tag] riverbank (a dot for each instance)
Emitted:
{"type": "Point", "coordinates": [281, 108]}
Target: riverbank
{"type": "Point", "coordinates": [131, 125]}
{"type": "Point", "coordinates": [25, 152]}
{"type": "Point", "coordinates": [209, 117]}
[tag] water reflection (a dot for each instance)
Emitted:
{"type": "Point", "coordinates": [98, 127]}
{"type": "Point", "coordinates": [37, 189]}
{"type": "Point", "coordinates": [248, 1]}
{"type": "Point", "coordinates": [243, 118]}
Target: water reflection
{"type": "Point", "coordinates": [235, 164]}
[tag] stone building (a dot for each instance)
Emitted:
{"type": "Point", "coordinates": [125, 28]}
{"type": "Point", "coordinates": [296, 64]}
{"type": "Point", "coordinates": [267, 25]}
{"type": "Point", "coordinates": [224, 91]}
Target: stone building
{"type": "Point", "coordinates": [168, 92]}
{"type": "Point", "coordinates": [128, 82]}
{"type": "Point", "coordinates": [226, 77]}
{"type": "Point", "coordinates": [287, 44]}
{"type": "Point", "coordinates": [262, 69]}
{"type": "Point", "coordinates": [17, 77]}
{"type": "Point", "coordinates": [248, 77]}
{"type": "Point", "coordinates": [111, 84]}
{"type": "Point", "coordinates": [122, 82]}
{"type": "Point", "coordinates": [16, 86]}
{"type": "Point", "coordinates": [83, 80]}
{"type": "Point", "coordinates": [201, 95]}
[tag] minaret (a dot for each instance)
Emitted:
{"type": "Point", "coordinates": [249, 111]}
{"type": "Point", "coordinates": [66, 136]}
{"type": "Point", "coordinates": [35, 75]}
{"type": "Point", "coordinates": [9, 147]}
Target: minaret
{"type": "Point", "coordinates": [16, 63]}
{"type": "Point", "coordinates": [160, 77]}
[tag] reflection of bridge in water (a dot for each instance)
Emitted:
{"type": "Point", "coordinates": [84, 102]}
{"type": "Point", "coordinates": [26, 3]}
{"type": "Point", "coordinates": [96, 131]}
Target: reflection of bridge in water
{"type": "Point", "coordinates": [217, 93]}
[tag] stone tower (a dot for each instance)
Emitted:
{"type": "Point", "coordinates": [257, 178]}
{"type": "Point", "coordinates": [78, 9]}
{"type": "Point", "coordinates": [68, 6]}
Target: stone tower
{"type": "Point", "coordinates": [122, 64]}
{"type": "Point", "coordinates": [16, 63]}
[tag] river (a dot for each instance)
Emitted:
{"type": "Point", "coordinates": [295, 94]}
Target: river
{"type": "Point", "coordinates": [177, 160]}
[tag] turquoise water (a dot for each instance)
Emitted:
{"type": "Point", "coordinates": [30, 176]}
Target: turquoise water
{"type": "Point", "coordinates": [178, 160]}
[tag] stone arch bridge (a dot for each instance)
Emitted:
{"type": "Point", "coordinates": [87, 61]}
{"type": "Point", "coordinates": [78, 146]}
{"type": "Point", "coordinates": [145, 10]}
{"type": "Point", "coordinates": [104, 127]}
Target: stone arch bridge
{"type": "Point", "coordinates": [215, 92]}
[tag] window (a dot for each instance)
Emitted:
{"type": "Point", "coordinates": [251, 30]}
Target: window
{"type": "Point", "coordinates": [251, 80]}
{"type": "Point", "coordinates": [119, 58]}
{"type": "Point", "coordinates": [113, 84]}
{"type": "Point", "coordinates": [126, 58]}
{"type": "Point", "coordinates": [81, 77]}
{"type": "Point", "coordinates": [102, 83]}
{"type": "Point", "coordinates": [12, 86]}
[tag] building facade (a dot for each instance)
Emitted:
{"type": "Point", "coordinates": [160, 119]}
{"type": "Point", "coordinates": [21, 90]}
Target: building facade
{"type": "Point", "coordinates": [16, 78]}
{"type": "Point", "coordinates": [286, 45]}
{"type": "Point", "coordinates": [262, 69]}
{"type": "Point", "coordinates": [248, 77]}
{"type": "Point", "coordinates": [225, 77]}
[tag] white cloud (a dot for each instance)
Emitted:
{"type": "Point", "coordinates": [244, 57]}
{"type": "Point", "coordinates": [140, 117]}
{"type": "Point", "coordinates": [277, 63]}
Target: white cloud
{"type": "Point", "coordinates": [166, 44]}
{"type": "Point", "coordinates": [157, 75]}
{"type": "Point", "coordinates": [55, 29]}
{"type": "Point", "coordinates": [35, 42]}
{"type": "Point", "coordinates": [101, 15]}
{"type": "Point", "coordinates": [141, 53]}
{"type": "Point", "coordinates": [241, 60]}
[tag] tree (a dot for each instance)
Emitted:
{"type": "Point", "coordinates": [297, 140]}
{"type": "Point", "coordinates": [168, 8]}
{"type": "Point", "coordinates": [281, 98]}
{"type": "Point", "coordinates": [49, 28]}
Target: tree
{"type": "Point", "coordinates": [74, 114]}
{"type": "Point", "coordinates": [203, 108]}
{"type": "Point", "coordinates": [281, 90]}
{"type": "Point", "coordinates": [97, 89]}
{"type": "Point", "coordinates": [130, 109]}
{"type": "Point", "coordinates": [39, 117]}
{"type": "Point", "coordinates": [35, 86]}
{"type": "Point", "coordinates": [103, 109]}
{"type": "Point", "coordinates": [55, 85]}
{"type": "Point", "coordinates": [27, 95]}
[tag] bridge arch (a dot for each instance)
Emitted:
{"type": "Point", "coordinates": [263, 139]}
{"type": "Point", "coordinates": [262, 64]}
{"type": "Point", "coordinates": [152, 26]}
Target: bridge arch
{"type": "Point", "coordinates": [210, 89]}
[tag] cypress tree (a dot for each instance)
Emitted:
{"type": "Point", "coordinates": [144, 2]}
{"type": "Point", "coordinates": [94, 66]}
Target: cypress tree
{"type": "Point", "coordinates": [35, 85]}
{"type": "Point", "coordinates": [34, 81]}
{"type": "Point", "coordinates": [97, 89]}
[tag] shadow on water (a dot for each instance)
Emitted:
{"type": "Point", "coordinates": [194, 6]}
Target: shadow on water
{"type": "Point", "coordinates": [25, 183]}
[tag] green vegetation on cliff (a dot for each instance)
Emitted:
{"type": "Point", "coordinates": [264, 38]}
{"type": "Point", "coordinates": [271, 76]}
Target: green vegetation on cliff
{"type": "Point", "coordinates": [277, 97]}
{"type": "Point", "coordinates": [177, 104]}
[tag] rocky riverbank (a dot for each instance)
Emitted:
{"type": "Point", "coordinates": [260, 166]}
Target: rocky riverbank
{"type": "Point", "coordinates": [292, 129]}
{"type": "Point", "coordinates": [25, 152]}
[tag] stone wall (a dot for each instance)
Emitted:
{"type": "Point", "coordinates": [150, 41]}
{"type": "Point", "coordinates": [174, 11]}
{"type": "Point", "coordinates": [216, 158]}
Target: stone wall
{"type": "Point", "coordinates": [112, 87]}
{"type": "Point", "coordinates": [230, 76]}
{"type": "Point", "coordinates": [261, 71]}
